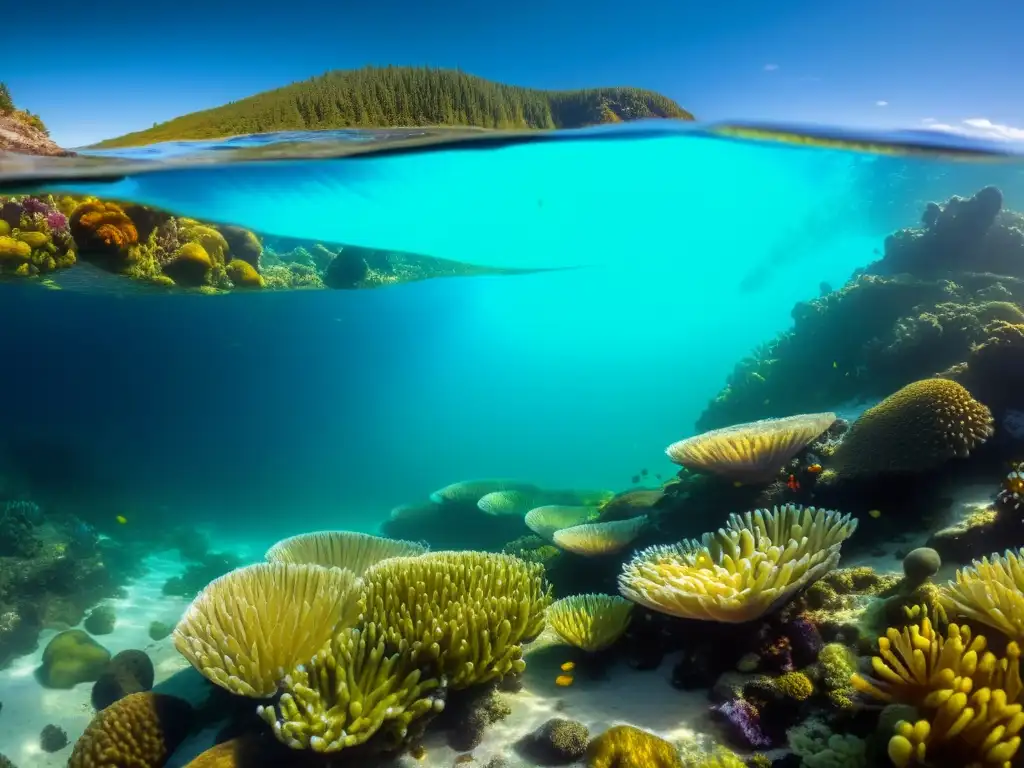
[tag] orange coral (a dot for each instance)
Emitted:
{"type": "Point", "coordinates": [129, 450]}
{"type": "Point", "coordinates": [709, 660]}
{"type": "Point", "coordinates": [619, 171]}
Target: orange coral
{"type": "Point", "coordinates": [102, 227]}
{"type": "Point", "coordinates": [141, 730]}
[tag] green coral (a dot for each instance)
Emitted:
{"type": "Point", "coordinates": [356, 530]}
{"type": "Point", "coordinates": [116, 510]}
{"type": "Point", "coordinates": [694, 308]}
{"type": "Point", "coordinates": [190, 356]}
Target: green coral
{"type": "Point", "coordinates": [70, 658]}
{"type": "Point", "coordinates": [818, 747]}
{"type": "Point", "coordinates": [838, 663]}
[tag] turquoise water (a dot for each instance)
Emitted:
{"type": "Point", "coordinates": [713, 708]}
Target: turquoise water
{"type": "Point", "coordinates": [686, 251]}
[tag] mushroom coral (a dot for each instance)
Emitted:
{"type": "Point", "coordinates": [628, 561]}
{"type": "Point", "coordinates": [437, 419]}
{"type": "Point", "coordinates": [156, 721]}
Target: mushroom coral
{"type": "Point", "coordinates": [753, 452]}
{"type": "Point", "coordinates": [758, 562]}
{"type": "Point", "coordinates": [341, 549]}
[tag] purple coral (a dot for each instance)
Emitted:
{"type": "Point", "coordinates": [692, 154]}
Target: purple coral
{"type": "Point", "coordinates": [743, 722]}
{"type": "Point", "coordinates": [56, 221]}
{"type": "Point", "coordinates": [33, 205]}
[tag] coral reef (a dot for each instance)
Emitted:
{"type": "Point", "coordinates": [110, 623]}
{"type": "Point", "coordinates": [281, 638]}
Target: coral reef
{"type": "Point", "coordinates": [141, 730]}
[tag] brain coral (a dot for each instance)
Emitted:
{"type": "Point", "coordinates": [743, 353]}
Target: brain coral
{"type": "Point", "coordinates": [100, 227]}
{"type": "Point", "coordinates": [914, 430]}
{"type": "Point", "coordinates": [139, 731]}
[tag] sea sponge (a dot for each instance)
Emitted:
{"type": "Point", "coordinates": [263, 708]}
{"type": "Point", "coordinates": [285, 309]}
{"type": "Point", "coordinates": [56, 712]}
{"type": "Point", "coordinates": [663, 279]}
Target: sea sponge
{"type": "Point", "coordinates": [72, 657]}
{"type": "Point", "coordinates": [469, 610]}
{"type": "Point", "coordinates": [102, 228]}
{"type": "Point", "coordinates": [594, 539]}
{"type": "Point", "coordinates": [914, 430]}
{"type": "Point", "coordinates": [750, 453]}
{"type": "Point", "coordinates": [758, 562]}
{"type": "Point", "coordinates": [14, 250]}
{"type": "Point", "coordinates": [341, 549]}
{"type": "Point", "coordinates": [139, 731]}
{"type": "Point", "coordinates": [546, 520]}
{"type": "Point", "coordinates": [350, 690]}
{"type": "Point", "coordinates": [590, 622]}
{"type": "Point", "coordinates": [990, 591]}
{"type": "Point", "coordinates": [624, 746]}
{"type": "Point", "coordinates": [243, 274]}
{"type": "Point", "coordinates": [247, 628]}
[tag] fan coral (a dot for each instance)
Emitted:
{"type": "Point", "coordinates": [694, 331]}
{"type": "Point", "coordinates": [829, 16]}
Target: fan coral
{"type": "Point", "coordinates": [140, 730]}
{"type": "Point", "coordinates": [754, 565]}
{"type": "Point", "coordinates": [248, 627]}
{"type": "Point", "coordinates": [750, 453]}
{"type": "Point", "coordinates": [624, 746]}
{"type": "Point", "coordinates": [991, 592]}
{"type": "Point", "coordinates": [590, 622]}
{"type": "Point", "coordinates": [341, 549]}
{"type": "Point", "coordinates": [593, 539]}
{"type": "Point", "coordinates": [914, 430]}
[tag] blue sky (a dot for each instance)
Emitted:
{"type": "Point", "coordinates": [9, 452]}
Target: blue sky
{"type": "Point", "coordinates": [867, 63]}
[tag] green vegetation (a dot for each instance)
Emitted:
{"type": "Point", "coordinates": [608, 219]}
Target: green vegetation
{"type": "Point", "coordinates": [376, 97]}
{"type": "Point", "coordinates": [23, 116]}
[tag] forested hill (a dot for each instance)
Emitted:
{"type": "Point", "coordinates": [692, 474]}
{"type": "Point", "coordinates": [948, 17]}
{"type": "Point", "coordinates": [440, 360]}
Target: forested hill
{"type": "Point", "coordinates": [380, 97]}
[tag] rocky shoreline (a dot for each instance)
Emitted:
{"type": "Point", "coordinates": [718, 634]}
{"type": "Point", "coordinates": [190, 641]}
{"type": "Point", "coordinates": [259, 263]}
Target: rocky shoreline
{"type": "Point", "coordinates": [17, 137]}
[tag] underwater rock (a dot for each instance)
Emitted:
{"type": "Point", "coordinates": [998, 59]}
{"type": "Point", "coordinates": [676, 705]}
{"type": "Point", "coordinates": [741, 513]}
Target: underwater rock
{"type": "Point", "coordinates": [197, 576]}
{"type": "Point", "coordinates": [101, 620]}
{"type": "Point", "coordinates": [921, 564]}
{"type": "Point", "coordinates": [53, 738]}
{"type": "Point", "coordinates": [158, 630]}
{"type": "Point", "coordinates": [558, 741]}
{"type": "Point", "coordinates": [130, 671]}
{"type": "Point", "coordinates": [980, 532]}
{"type": "Point", "coordinates": [72, 657]}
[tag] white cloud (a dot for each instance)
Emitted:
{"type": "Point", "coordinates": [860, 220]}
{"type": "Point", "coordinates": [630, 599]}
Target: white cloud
{"type": "Point", "coordinates": [881, 103]}
{"type": "Point", "coordinates": [979, 128]}
{"type": "Point", "coordinates": [770, 67]}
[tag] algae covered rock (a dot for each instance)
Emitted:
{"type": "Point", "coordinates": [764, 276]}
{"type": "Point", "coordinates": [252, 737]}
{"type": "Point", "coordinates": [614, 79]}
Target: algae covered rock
{"type": "Point", "coordinates": [128, 672]}
{"type": "Point", "coordinates": [70, 658]}
{"type": "Point", "coordinates": [101, 620]}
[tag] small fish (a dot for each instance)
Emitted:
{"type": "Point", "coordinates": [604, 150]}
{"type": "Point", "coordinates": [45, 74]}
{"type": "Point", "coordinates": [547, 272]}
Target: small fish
{"type": "Point", "coordinates": [563, 681]}
{"type": "Point", "coordinates": [793, 483]}
{"type": "Point", "coordinates": [121, 519]}
{"type": "Point", "coordinates": [657, 477]}
{"type": "Point", "coordinates": [568, 666]}
{"type": "Point", "coordinates": [766, 401]}
{"type": "Point", "coordinates": [643, 472]}
{"type": "Point", "coordinates": [814, 469]}
{"type": "Point", "coordinates": [636, 479]}
{"type": "Point", "coordinates": [835, 364]}
{"type": "Point", "coordinates": [875, 513]}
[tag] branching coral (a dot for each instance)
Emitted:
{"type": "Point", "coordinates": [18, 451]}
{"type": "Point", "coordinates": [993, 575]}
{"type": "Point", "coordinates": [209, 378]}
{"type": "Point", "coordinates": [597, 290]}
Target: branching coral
{"type": "Point", "coordinates": [427, 623]}
{"type": "Point", "coordinates": [739, 573]}
{"type": "Point", "coordinates": [590, 622]}
{"type": "Point", "coordinates": [991, 592]}
{"type": "Point", "coordinates": [750, 453]}
{"type": "Point", "coordinates": [341, 549]}
{"type": "Point", "coordinates": [349, 691]}
{"type": "Point", "coordinates": [969, 696]}
{"type": "Point", "coordinates": [248, 627]}
{"type": "Point", "coordinates": [913, 430]}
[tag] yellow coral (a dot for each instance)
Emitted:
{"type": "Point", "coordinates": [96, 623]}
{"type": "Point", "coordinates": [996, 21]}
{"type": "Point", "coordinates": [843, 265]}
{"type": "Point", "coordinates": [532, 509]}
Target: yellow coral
{"type": "Point", "coordinates": [140, 730]}
{"type": "Point", "coordinates": [34, 239]}
{"type": "Point", "coordinates": [243, 274]}
{"type": "Point", "coordinates": [247, 628]}
{"type": "Point", "coordinates": [545, 521]}
{"type": "Point", "coordinates": [971, 697]}
{"type": "Point", "coordinates": [470, 610]}
{"type": "Point", "coordinates": [212, 241]}
{"type": "Point", "coordinates": [590, 622]}
{"type": "Point", "coordinates": [739, 573]}
{"type": "Point", "coordinates": [990, 591]}
{"type": "Point", "coordinates": [913, 430]}
{"type": "Point", "coordinates": [795, 685]}
{"type": "Point", "coordinates": [838, 665]}
{"type": "Point", "coordinates": [13, 249]}
{"type": "Point", "coordinates": [624, 746]}
{"type": "Point", "coordinates": [349, 691]}
{"type": "Point", "coordinates": [341, 549]}
{"type": "Point", "coordinates": [750, 453]}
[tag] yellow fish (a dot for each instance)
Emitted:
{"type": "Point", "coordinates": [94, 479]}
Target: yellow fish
{"type": "Point", "coordinates": [568, 666]}
{"type": "Point", "coordinates": [121, 519]}
{"type": "Point", "coordinates": [563, 681]}
{"type": "Point", "coordinates": [875, 513]}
